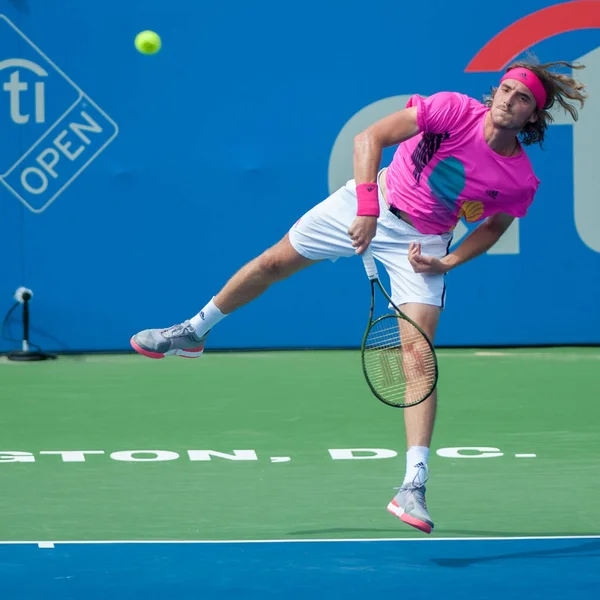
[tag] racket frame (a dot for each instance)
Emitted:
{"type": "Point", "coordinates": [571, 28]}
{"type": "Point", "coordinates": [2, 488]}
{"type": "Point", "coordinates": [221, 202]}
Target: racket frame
{"type": "Point", "coordinates": [372, 273]}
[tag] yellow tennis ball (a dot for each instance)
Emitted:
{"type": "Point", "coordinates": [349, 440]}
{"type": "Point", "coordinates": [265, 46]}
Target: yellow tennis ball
{"type": "Point", "coordinates": [148, 42]}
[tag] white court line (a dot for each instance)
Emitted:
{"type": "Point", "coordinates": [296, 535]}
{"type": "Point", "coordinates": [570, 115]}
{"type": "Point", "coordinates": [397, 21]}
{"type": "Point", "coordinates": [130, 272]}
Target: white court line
{"type": "Point", "coordinates": [310, 541]}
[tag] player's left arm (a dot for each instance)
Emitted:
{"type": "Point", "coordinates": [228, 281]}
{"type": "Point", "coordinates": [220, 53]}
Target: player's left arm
{"type": "Point", "coordinates": [477, 242]}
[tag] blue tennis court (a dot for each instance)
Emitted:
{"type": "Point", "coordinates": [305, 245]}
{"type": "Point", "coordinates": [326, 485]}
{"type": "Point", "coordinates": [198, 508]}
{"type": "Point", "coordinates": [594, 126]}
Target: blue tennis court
{"type": "Point", "coordinates": [495, 569]}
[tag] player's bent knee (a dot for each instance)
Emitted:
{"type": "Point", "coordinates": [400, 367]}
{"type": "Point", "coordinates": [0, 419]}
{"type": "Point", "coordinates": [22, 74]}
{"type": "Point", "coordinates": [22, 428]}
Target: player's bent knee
{"type": "Point", "coordinates": [271, 265]}
{"type": "Point", "coordinates": [276, 266]}
{"type": "Point", "coordinates": [281, 261]}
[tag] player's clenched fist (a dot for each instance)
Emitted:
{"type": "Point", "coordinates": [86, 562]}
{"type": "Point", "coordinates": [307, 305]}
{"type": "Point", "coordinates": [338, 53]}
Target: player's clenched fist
{"type": "Point", "coordinates": [361, 232]}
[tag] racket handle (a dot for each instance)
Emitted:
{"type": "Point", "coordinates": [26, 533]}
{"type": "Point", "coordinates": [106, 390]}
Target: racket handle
{"type": "Point", "coordinates": [370, 266]}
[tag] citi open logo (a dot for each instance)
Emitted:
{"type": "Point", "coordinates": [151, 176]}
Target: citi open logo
{"type": "Point", "coordinates": [51, 129]}
{"type": "Point", "coordinates": [14, 87]}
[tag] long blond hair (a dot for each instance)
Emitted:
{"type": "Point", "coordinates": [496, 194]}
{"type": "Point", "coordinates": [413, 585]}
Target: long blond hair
{"type": "Point", "coordinates": [559, 87]}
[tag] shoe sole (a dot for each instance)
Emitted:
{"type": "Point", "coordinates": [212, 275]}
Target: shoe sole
{"type": "Point", "coordinates": [398, 511]}
{"type": "Point", "coordinates": [189, 353]}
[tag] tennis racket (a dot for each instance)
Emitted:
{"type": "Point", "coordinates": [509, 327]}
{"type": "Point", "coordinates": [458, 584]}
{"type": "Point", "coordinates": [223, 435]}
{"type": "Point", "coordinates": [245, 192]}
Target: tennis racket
{"type": "Point", "coordinates": [398, 359]}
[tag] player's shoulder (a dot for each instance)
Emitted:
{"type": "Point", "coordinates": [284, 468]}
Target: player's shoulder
{"type": "Point", "coordinates": [455, 100]}
{"type": "Point", "coordinates": [460, 103]}
{"type": "Point", "coordinates": [445, 110]}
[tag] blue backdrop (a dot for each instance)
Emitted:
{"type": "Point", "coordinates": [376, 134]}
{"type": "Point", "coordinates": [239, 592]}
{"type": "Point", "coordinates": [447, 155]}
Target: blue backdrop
{"type": "Point", "coordinates": [133, 186]}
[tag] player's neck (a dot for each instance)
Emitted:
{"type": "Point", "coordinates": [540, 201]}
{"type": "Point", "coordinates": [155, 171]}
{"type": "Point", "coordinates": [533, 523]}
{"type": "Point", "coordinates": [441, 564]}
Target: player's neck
{"type": "Point", "coordinates": [501, 141]}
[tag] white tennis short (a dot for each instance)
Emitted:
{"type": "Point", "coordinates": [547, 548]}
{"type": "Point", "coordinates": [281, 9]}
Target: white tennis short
{"type": "Point", "coordinates": [322, 233]}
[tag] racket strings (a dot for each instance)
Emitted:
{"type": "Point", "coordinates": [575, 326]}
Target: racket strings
{"type": "Point", "coordinates": [399, 362]}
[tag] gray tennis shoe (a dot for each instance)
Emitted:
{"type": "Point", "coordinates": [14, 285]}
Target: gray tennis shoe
{"type": "Point", "coordinates": [409, 506]}
{"type": "Point", "coordinates": [178, 340]}
{"type": "Point", "coordinates": [409, 503]}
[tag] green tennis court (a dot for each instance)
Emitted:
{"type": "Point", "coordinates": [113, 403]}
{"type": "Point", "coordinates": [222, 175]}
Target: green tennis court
{"type": "Point", "coordinates": [291, 445]}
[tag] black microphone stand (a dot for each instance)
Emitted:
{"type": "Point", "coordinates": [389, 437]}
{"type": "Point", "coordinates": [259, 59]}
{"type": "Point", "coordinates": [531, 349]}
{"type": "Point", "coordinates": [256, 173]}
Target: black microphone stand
{"type": "Point", "coordinates": [25, 354]}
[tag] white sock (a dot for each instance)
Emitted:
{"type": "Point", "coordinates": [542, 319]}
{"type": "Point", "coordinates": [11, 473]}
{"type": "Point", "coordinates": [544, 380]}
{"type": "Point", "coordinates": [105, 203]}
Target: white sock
{"type": "Point", "coordinates": [416, 465]}
{"type": "Point", "coordinates": [207, 318]}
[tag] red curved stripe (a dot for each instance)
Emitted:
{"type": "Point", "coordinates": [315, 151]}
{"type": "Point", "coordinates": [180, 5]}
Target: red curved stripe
{"type": "Point", "coordinates": [534, 28]}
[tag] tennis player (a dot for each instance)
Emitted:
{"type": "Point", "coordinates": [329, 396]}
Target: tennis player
{"type": "Point", "coordinates": [457, 158]}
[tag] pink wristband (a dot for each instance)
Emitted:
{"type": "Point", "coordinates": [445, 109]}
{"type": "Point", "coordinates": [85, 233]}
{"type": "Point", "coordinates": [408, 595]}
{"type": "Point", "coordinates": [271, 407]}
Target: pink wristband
{"type": "Point", "coordinates": [368, 200]}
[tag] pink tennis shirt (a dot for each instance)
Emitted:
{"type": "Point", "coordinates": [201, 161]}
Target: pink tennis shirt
{"type": "Point", "coordinates": [448, 171]}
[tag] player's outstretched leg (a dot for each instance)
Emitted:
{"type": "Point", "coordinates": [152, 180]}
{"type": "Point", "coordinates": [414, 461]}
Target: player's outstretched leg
{"type": "Point", "coordinates": [187, 339]}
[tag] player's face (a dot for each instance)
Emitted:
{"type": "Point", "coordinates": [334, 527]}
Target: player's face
{"type": "Point", "coordinates": [513, 105]}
